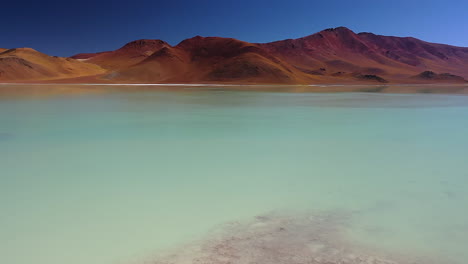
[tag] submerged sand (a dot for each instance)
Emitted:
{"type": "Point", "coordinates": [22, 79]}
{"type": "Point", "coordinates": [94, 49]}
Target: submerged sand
{"type": "Point", "coordinates": [316, 238]}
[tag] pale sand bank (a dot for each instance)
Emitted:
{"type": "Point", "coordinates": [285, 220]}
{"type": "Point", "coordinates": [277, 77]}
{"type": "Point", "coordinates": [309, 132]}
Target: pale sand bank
{"type": "Point", "coordinates": [316, 238]}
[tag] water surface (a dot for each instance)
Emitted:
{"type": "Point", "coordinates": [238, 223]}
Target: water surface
{"type": "Point", "coordinates": [122, 177]}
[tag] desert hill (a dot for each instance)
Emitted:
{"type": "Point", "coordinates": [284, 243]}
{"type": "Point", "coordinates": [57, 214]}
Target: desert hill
{"type": "Point", "coordinates": [128, 55]}
{"type": "Point", "coordinates": [28, 64]}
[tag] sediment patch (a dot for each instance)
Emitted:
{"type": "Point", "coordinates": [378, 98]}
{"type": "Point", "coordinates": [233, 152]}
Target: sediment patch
{"type": "Point", "coordinates": [283, 239]}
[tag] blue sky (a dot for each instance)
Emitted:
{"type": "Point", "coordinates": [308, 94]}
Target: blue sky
{"type": "Point", "coordinates": [64, 28]}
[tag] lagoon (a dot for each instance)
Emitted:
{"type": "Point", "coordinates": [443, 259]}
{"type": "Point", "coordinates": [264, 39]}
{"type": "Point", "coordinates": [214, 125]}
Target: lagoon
{"type": "Point", "coordinates": [129, 177]}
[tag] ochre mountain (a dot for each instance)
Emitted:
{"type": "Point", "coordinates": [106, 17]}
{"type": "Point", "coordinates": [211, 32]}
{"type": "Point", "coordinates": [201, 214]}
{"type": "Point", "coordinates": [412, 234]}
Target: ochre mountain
{"type": "Point", "coordinates": [27, 64]}
{"type": "Point", "coordinates": [336, 55]}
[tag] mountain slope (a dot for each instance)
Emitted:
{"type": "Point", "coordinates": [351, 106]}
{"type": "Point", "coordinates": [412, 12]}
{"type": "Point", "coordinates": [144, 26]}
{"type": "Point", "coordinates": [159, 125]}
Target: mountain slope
{"type": "Point", "coordinates": [421, 54]}
{"type": "Point", "coordinates": [340, 51]}
{"type": "Point", "coordinates": [211, 59]}
{"type": "Point", "coordinates": [128, 55]}
{"type": "Point", "coordinates": [28, 64]}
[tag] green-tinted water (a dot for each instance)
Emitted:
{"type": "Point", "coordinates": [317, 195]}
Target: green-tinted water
{"type": "Point", "coordinates": [117, 178]}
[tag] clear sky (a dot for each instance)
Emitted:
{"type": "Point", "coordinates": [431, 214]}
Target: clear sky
{"type": "Point", "coordinates": [64, 28]}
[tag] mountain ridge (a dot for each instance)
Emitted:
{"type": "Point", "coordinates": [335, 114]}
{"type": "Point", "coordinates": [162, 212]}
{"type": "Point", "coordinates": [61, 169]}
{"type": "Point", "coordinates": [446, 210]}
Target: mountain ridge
{"type": "Point", "coordinates": [333, 55]}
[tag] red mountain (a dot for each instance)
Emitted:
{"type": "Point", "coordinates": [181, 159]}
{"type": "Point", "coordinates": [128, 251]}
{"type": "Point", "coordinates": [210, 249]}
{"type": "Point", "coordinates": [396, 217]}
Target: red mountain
{"type": "Point", "coordinates": [339, 51]}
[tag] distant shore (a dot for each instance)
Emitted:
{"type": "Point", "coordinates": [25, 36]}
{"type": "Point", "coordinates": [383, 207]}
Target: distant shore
{"type": "Point", "coordinates": [50, 89]}
{"type": "Point", "coordinates": [53, 89]}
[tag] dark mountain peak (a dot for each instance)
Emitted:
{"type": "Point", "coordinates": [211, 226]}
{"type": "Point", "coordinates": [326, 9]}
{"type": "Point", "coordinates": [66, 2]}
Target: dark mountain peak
{"type": "Point", "coordinates": [145, 43]}
{"type": "Point", "coordinates": [198, 39]}
{"type": "Point", "coordinates": [190, 41]}
{"type": "Point", "coordinates": [338, 30]}
{"type": "Point", "coordinates": [217, 48]}
{"type": "Point", "coordinates": [195, 41]}
{"type": "Point", "coordinates": [210, 42]}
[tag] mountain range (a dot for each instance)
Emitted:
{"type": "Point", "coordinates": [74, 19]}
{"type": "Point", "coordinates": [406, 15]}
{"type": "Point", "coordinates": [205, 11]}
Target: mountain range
{"type": "Point", "coordinates": [335, 55]}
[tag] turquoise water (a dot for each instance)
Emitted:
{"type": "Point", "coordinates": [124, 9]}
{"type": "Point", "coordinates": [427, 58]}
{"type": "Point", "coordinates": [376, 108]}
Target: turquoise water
{"type": "Point", "coordinates": [123, 177]}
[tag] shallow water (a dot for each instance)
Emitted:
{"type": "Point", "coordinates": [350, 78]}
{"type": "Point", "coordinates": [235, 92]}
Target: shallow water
{"type": "Point", "coordinates": [132, 177]}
